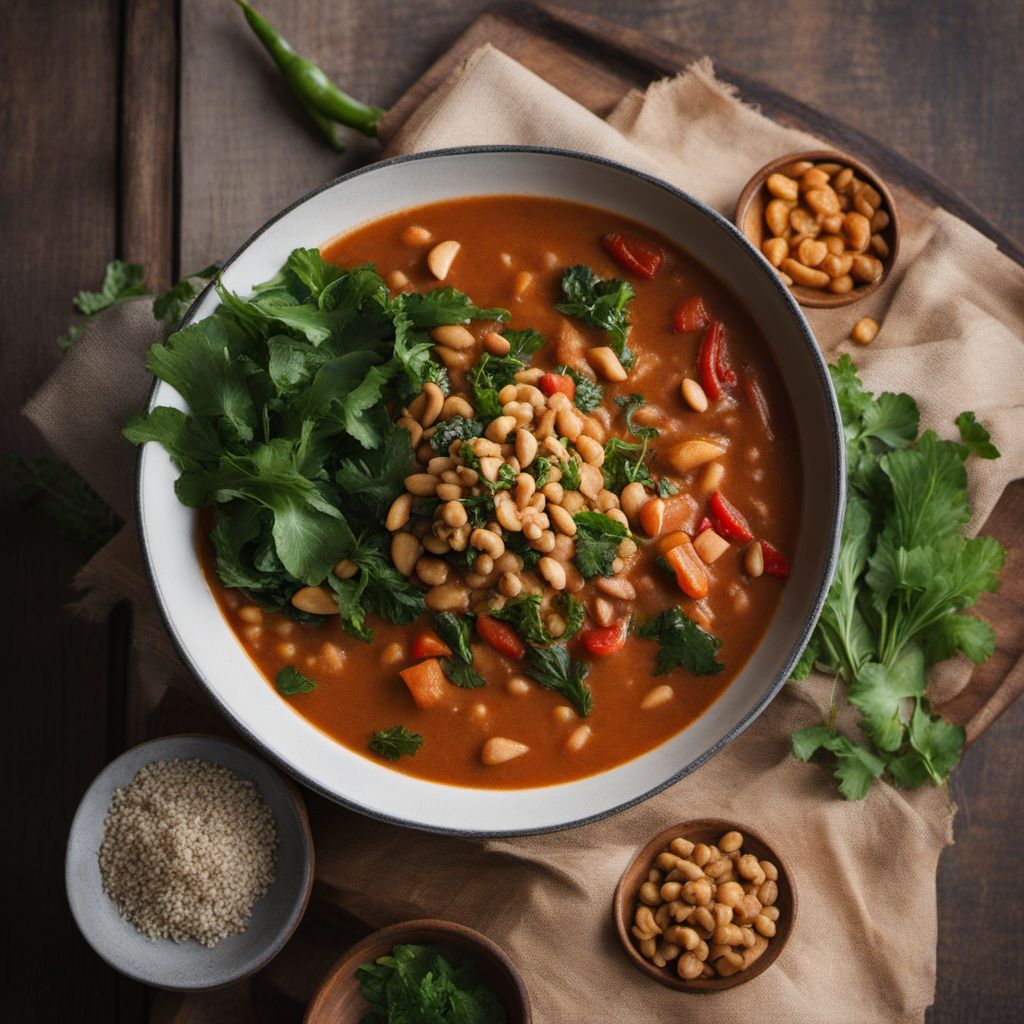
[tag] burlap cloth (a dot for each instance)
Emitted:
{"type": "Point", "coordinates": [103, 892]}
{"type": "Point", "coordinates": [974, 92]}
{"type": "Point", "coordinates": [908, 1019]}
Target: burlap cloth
{"type": "Point", "coordinates": [952, 318]}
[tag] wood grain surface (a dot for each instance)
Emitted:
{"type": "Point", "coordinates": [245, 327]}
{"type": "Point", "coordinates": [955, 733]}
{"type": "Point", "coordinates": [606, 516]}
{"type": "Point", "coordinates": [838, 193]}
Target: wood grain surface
{"type": "Point", "coordinates": [171, 111]}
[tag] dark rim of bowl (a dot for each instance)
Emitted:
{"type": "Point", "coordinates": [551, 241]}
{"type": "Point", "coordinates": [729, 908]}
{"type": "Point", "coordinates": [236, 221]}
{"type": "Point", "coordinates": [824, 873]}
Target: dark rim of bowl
{"type": "Point", "coordinates": [297, 913]}
{"type": "Point", "coordinates": [838, 504]}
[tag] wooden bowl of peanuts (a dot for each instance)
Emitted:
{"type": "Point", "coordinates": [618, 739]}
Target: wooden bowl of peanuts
{"type": "Point", "coordinates": [699, 910]}
{"type": "Point", "coordinates": [826, 222]}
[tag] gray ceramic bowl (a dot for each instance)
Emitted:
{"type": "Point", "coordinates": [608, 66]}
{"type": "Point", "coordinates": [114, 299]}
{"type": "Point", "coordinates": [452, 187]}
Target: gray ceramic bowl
{"type": "Point", "coordinates": [187, 966]}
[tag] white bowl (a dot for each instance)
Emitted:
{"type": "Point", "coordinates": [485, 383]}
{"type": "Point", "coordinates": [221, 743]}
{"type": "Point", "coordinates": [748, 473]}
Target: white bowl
{"type": "Point", "coordinates": [208, 646]}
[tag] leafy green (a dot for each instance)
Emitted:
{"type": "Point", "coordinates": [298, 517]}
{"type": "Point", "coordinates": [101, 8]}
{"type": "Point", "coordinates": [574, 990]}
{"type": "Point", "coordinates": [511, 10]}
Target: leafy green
{"type": "Point", "coordinates": [975, 437]}
{"type": "Point", "coordinates": [395, 741]}
{"type": "Point", "coordinates": [486, 378]}
{"type": "Point", "coordinates": [456, 632]}
{"type": "Point", "coordinates": [599, 303]}
{"type": "Point", "coordinates": [682, 644]}
{"type": "Point", "coordinates": [417, 985]}
{"type": "Point", "coordinates": [523, 345]}
{"type": "Point", "coordinates": [597, 543]}
{"type": "Point", "coordinates": [630, 404]}
{"type": "Point", "coordinates": [905, 574]}
{"type": "Point", "coordinates": [589, 394]}
{"type": "Point", "coordinates": [121, 281]}
{"type": "Point", "coordinates": [289, 433]}
{"type": "Point", "coordinates": [523, 614]}
{"type": "Point", "coordinates": [555, 669]}
{"type": "Point", "coordinates": [56, 492]}
{"type": "Point", "coordinates": [290, 681]}
{"type": "Point", "coordinates": [444, 306]}
{"type": "Point", "coordinates": [625, 462]}
{"type": "Point", "coordinates": [856, 767]}
{"type": "Point", "coordinates": [540, 469]}
{"type": "Point", "coordinates": [458, 428]}
{"type": "Point", "coordinates": [172, 305]}
{"type": "Point", "coordinates": [570, 473]}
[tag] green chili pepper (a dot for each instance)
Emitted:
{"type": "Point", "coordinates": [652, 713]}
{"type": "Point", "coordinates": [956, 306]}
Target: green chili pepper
{"type": "Point", "coordinates": [322, 100]}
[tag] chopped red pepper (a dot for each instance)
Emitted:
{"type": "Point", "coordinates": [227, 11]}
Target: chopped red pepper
{"type": "Point", "coordinates": [635, 254]}
{"type": "Point", "coordinates": [775, 562]}
{"type": "Point", "coordinates": [501, 636]}
{"type": "Point", "coordinates": [715, 372]}
{"type": "Point", "coordinates": [429, 645]}
{"type": "Point", "coordinates": [604, 639]}
{"type": "Point", "coordinates": [552, 383]}
{"type": "Point", "coordinates": [704, 524]}
{"type": "Point", "coordinates": [690, 315]}
{"type": "Point", "coordinates": [759, 402]}
{"type": "Point", "coordinates": [730, 522]}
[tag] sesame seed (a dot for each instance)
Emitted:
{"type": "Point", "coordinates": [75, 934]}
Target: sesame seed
{"type": "Point", "coordinates": [188, 847]}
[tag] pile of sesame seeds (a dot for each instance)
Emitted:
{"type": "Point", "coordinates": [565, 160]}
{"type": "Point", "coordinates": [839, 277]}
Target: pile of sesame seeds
{"type": "Point", "coordinates": [188, 847]}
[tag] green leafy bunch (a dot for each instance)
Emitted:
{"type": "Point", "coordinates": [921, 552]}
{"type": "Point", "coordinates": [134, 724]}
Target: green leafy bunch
{"type": "Point", "coordinates": [288, 433]}
{"type": "Point", "coordinates": [906, 573]}
{"type": "Point", "coordinates": [418, 985]}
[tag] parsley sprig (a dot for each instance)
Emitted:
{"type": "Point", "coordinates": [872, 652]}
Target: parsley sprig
{"type": "Point", "coordinates": [906, 573]}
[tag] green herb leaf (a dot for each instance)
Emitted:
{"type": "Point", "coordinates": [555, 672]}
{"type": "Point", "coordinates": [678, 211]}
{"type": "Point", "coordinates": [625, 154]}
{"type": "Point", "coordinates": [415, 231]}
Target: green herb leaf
{"type": "Point", "coordinates": [878, 690]}
{"type": "Point", "coordinates": [682, 644]}
{"type": "Point", "coordinates": [121, 281]}
{"type": "Point", "coordinates": [392, 743]}
{"type": "Point", "coordinates": [599, 303]}
{"type": "Point", "coordinates": [444, 306]}
{"type": "Point", "coordinates": [935, 748]}
{"type": "Point", "coordinates": [554, 669]}
{"type": "Point", "coordinates": [523, 614]}
{"type": "Point", "coordinates": [630, 404]}
{"type": "Point", "coordinates": [170, 306]}
{"type": "Point", "coordinates": [625, 462]}
{"type": "Point", "coordinates": [456, 632]}
{"type": "Point", "coordinates": [856, 767]}
{"type": "Point", "coordinates": [570, 473]}
{"type": "Point", "coordinates": [597, 543]}
{"type": "Point", "coordinates": [589, 394]}
{"type": "Point", "coordinates": [523, 345]}
{"type": "Point", "coordinates": [975, 438]}
{"type": "Point", "coordinates": [290, 681]}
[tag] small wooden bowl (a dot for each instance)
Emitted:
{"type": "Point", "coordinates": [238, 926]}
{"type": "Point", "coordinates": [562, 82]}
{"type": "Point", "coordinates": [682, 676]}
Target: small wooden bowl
{"type": "Point", "coordinates": [702, 830]}
{"type": "Point", "coordinates": [338, 1000]}
{"type": "Point", "coordinates": [750, 220]}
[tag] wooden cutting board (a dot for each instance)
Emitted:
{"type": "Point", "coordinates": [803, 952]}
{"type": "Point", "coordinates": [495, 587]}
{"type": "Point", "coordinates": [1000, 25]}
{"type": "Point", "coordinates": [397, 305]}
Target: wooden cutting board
{"type": "Point", "coordinates": [597, 63]}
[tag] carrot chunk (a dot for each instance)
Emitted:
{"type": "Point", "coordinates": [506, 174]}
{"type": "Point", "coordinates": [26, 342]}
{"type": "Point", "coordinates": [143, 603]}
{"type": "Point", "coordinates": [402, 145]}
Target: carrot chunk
{"type": "Point", "coordinates": [426, 682]}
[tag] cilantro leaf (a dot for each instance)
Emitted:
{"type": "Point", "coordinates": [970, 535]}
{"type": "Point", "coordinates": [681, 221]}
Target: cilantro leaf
{"type": "Point", "coordinates": [589, 394]}
{"type": "Point", "coordinates": [597, 543]}
{"type": "Point", "coordinates": [524, 344]}
{"type": "Point", "coordinates": [121, 281]}
{"type": "Point", "coordinates": [456, 632]}
{"type": "Point", "coordinates": [570, 469]}
{"type": "Point", "coordinates": [682, 644]}
{"type": "Point", "coordinates": [170, 306]}
{"type": "Point", "coordinates": [395, 741]}
{"type": "Point", "coordinates": [554, 669]}
{"type": "Point", "coordinates": [444, 306]}
{"type": "Point", "coordinates": [856, 767]}
{"type": "Point", "coordinates": [290, 681]}
{"type": "Point", "coordinates": [374, 478]}
{"type": "Point", "coordinates": [935, 747]}
{"type": "Point", "coordinates": [878, 690]}
{"type": "Point", "coordinates": [524, 615]}
{"type": "Point", "coordinates": [599, 303]}
{"type": "Point", "coordinates": [975, 438]}
{"type": "Point", "coordinates": [540, 469]}
{"type": "Point", "coordinates": [625, 462]}
{"type": "Point", "coordinates": [486, 378]}
{"type": "Point", "coordinates": [630, 404]}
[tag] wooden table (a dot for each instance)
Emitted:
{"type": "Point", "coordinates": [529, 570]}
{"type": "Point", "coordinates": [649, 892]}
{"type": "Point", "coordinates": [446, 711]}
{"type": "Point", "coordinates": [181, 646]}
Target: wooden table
{"type": "Point", "coordinates": [92, 89]}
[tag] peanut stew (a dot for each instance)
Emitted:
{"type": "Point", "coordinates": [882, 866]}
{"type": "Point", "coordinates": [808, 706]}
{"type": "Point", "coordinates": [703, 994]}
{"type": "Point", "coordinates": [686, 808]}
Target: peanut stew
{"type": "Point", "coordinates": [530, 493]}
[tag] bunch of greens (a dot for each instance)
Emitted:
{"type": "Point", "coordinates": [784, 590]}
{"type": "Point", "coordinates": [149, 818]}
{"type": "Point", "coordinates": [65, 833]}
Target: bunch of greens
{"type": "Point", "coordinates": [289, 434]}
{"type": "Point", "coordinates": [600, 303]}
{"type": "Point", "coordinates": [905, 574]}
{"type": "Point", "coordinates": [417, 985]}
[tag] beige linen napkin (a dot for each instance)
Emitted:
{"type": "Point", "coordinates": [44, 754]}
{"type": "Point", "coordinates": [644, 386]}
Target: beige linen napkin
{"type": "Point", "coordinates": [864, 946]}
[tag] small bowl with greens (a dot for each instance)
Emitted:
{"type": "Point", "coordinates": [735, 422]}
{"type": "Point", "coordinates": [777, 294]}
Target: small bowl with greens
{"type": "Point", "coordinates": [432, 971]}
